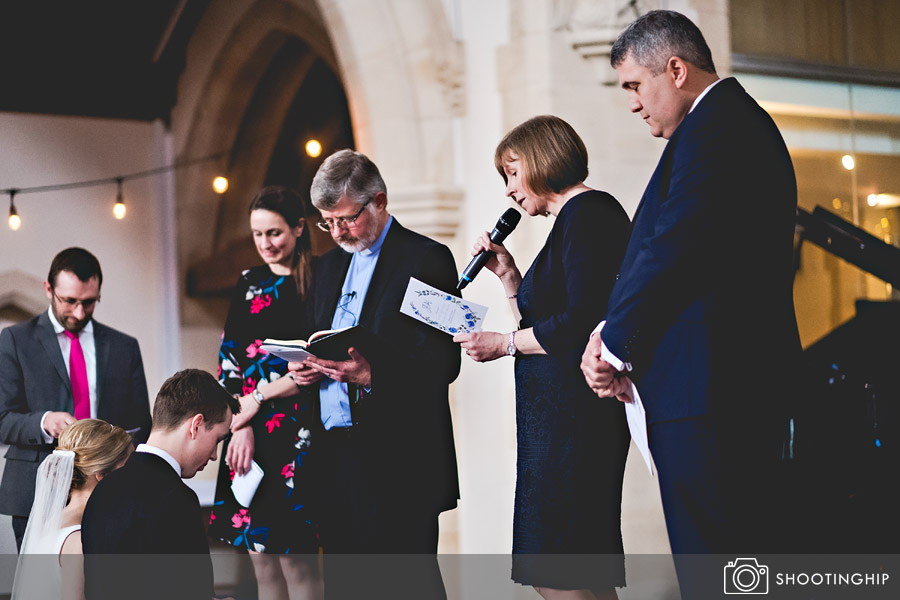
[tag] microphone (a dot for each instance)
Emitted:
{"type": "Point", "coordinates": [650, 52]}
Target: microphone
{"type": "Point", "coordinates": [503, 228]}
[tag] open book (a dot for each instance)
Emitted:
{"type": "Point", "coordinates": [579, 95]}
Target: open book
{"type": "Point", "coordinates": [331, 344]}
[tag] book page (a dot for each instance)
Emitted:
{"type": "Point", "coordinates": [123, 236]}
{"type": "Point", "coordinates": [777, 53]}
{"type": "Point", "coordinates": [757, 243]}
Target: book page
{"type": "Point", "coordinates": [441, 310]}
{"type": "Point", "coordinates": [288, 353]}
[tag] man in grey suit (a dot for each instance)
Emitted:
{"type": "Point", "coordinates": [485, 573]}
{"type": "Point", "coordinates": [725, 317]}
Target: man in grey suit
{"type": "Point", "coordinates": [44, 359]}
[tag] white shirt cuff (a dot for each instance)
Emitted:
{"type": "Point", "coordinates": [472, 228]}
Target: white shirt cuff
{"type": "Point", "coordinates": [48, 439]}
{"type": "Point", "coordinates": [607, 355]}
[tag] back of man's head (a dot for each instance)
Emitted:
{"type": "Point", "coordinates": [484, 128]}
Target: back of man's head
{"type": "Point", "coordinates": [188, 393]}
{"type": "Point", "coordinates": [658, 35]}
{"type": "Point", "coordinates": [78, 261]}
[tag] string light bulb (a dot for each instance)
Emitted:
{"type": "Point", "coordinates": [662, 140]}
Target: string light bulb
{"type": "Point", "coordinates": [220, 185]}
{"type": "Point", "coordinates": [15, 221]}
{"type": "Point", "coordinates": [313, 148]}
{"type": "Point", "coordinates": [848, 161]}
{"type": "Point", "coordinates": [119, 208]}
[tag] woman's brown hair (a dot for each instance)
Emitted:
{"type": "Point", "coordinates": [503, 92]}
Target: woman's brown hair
{"type": "Point", "coordinates": [554, 156]}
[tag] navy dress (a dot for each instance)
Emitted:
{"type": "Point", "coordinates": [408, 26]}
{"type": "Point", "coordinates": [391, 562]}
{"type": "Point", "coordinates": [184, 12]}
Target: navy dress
{"type": "Point", "coordinates": [572, 445]}
{"type": "Point", "coordinates": [280, 519]}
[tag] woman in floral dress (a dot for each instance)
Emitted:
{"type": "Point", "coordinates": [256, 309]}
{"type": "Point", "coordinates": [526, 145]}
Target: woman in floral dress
{"type": "Point", "coordinates": [273, 427]}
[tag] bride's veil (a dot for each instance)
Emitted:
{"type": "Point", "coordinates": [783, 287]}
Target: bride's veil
{"type": "Point", "coordinates": [54, 478]}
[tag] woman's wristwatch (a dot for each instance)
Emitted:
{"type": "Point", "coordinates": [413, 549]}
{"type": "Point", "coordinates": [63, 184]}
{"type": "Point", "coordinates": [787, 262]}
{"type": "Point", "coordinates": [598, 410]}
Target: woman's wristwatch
{"type": "Point", "coordinates": [257, 395]}
{"type": "Point", "coordinates": [511, 345]}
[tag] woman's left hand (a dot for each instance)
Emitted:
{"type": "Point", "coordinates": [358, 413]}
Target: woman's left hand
{"type": "Point", "coordinates": [240, 450]}
{"type": "Point", "coordinates": [483, 346]}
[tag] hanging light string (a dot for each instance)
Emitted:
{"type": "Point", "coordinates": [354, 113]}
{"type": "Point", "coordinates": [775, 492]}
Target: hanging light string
{"type": "Point", "coordinates": [119, 210]}
{"type": "Point", "coordinates": [113, 180]}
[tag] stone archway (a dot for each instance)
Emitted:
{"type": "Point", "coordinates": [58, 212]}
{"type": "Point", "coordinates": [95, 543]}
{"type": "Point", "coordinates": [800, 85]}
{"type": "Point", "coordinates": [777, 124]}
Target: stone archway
{"type": "Point", "coordinates": [402, 75]}
{"type": "Point", "coordinates": [403, 71]}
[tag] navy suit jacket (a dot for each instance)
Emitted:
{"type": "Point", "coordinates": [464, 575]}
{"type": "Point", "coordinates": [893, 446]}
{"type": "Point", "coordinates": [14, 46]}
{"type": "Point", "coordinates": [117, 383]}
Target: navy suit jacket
{"type": "Point", "coordinates": [703, 307]}
{"type": "Point", "coordinates": [33, 380]}
{"type": "Point", "coordinates": [406, 418]}
{"type": "Point", "coordinates": [143, 535]}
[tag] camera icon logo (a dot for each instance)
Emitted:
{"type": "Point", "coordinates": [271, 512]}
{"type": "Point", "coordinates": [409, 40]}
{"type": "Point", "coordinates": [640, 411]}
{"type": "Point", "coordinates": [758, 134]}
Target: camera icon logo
{"type": "Point", "coordinates": [746, 576]}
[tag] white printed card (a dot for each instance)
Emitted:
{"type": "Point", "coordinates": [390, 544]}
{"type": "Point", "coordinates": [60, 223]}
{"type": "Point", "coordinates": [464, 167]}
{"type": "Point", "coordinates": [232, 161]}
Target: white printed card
{"type": "Point", "coordinates": [451, 314]}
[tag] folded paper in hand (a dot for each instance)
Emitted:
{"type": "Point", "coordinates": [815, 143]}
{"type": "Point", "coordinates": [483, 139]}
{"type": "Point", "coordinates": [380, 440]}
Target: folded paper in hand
{"type": "Point", "coordinates": [244, 486]}
{"type": "Point", "coordinates": [637, 425]}
{"type": "Point", "coordinates": [451, 314]}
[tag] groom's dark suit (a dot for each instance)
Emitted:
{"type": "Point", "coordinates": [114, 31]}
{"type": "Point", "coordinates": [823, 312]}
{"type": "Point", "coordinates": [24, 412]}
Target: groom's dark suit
{"type": "Point", "coordinates": [703, 309]}
{"type": "Point", "coordinates": [33, 380]}
{"type": "Point", "coordinates": [145, 509]}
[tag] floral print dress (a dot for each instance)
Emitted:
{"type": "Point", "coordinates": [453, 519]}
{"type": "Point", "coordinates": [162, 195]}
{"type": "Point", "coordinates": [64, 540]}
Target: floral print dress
{"type": "Point", "coordinates": [279, 518]}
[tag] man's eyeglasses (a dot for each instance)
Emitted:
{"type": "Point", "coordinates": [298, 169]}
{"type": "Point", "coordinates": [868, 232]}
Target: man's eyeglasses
{"type": "Point", "coordinates": [329, 224]}
{"type": "Point", "coordinates": [86, 304]}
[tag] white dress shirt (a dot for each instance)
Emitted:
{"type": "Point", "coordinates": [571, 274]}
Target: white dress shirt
{"type": "Point", "coordinates": [89, 348]}
{"type": "Point", "coordinates": [147, 448]}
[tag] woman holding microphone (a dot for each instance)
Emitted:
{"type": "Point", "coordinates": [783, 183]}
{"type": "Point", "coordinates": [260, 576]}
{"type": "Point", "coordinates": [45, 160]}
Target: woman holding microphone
{"type": "Point", "coordinates": [572, 445]}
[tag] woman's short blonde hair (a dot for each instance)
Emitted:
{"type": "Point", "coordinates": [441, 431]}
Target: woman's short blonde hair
{"type": "Point", "coordinates": [553, 155]}
{"type": "Point", "coordinates": [99, 447]}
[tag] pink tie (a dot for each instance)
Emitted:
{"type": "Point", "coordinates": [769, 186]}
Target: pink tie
{"type": "Point", "coordinates": [78, 375]}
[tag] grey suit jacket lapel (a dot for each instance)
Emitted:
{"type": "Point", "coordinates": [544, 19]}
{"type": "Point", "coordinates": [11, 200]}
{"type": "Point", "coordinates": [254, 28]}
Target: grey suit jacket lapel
{"type": "Point", "coordinates": [47, 338]}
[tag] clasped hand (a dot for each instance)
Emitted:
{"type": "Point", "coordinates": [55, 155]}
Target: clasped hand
{"type": "Point", "coordinates": [601, 376]}
{"type": "Point", "coordinates": [355, 370]}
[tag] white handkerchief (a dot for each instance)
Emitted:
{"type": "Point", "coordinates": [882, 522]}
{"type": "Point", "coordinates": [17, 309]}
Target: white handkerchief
{"type": "Point", "coordinates": [244, 486]}
{"type": "Point", "coordinates": [451, 314]}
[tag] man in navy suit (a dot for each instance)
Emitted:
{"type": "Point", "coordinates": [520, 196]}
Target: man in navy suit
{"type": "Point", "coordinates": [702, 317]}
{"type": "Point", "coordinates": [36, 392]}
{"type": "Point", "coordinates": [146, 509]}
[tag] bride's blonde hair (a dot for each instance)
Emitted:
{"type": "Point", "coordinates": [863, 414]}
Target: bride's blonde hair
{"type": "Point", "coordinates": [98, 448]}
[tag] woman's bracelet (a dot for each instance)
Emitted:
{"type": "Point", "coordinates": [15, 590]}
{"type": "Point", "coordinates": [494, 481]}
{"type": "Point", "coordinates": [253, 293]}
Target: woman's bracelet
{"type": "Point", "coordinates": [511, 297]}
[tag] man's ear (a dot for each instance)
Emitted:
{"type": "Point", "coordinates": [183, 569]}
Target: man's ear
{"type": "Point", "coordinates": [380, 200]}
{"type": "Point", "coordinates": [676, 69]}
{"type": "Point", "coordinates": [196, 423]}
{"type": "Point", "coordinates": [49, 289]}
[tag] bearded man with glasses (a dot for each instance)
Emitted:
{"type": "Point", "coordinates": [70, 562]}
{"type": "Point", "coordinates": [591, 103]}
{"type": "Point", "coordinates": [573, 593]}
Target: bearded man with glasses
{"type": "Point", "coordinates": [58, 367]}
{"type": "Point", "coordinates": [386, 453]}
